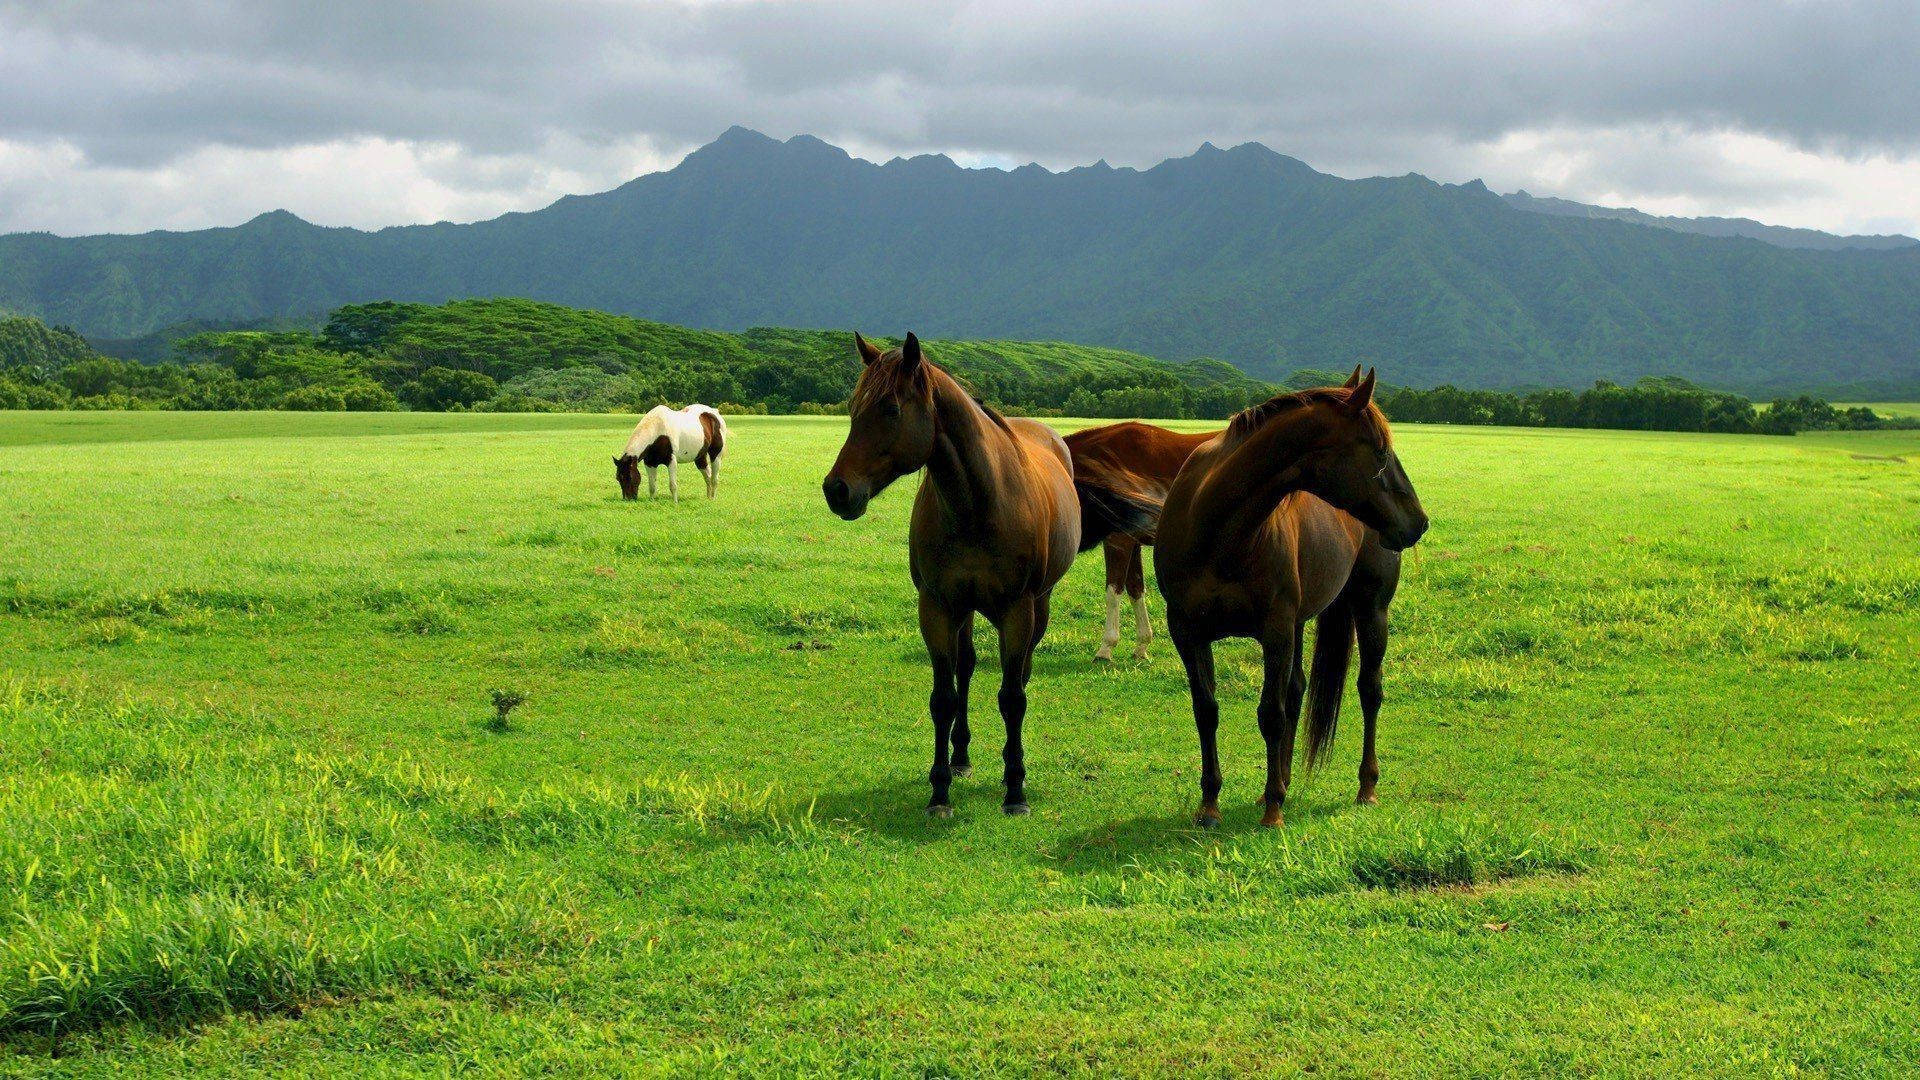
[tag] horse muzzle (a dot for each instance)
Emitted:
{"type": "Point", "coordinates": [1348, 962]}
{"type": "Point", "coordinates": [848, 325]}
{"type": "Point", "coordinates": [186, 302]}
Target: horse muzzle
{"type": "Point", "coordinates": [843, 499]}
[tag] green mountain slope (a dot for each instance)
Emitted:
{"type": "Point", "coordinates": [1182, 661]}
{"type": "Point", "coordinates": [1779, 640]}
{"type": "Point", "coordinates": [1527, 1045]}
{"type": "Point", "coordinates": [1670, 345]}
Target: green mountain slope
{"type": "Point", "coordinates": [1241, 254]}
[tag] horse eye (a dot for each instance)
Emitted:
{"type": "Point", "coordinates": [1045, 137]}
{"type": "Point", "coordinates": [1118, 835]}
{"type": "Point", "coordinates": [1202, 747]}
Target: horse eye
{"type": "Point", "coordinates": [892, 409]}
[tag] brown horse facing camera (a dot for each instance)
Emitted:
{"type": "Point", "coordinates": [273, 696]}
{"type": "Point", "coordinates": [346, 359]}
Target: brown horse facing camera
{"type": "Point", "coordinates": [995, 524]}
{"type": "Point", "coordinates": [1299, 509]}
{"type": "Point", "coordinates": [1142, 460]}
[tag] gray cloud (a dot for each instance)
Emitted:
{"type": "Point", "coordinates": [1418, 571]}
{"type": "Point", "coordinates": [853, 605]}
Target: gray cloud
{"type": "Point", "coordinates": [1389, 86]}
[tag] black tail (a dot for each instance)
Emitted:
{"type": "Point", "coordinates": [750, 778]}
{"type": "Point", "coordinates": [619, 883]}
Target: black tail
{"type": "Point", "coordinates": [1327, 681]}
{"type": "Point", "coordinates": [1104, 511]}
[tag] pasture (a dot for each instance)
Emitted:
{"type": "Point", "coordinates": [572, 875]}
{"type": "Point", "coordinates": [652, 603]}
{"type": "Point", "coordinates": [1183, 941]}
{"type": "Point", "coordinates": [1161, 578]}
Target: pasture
{"type": "Point", "coordinates": [1650, 792]}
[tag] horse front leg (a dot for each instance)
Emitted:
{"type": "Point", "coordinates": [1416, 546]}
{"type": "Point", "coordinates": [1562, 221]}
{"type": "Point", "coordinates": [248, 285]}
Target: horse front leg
{"type": "Point", "coordinates": [651, 472]}
{"type": "Point", "coordinates": [938, 627]}
{"type": "Point", "coordinates": [1279, 715]}
{"type": "Point", "coordinates": [673, 478]}
{"type": "Point", "coordinates": [1372, 632]}
{"type": "Point", "coordinates": [964, 661]}
{"type": "Point", "coordinates": [1020, 630]}
{"type": "Point", "coordinates": [1197, 656]}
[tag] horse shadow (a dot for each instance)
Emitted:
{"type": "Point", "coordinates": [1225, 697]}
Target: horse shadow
{"type": "Point", "coordinates": [1162, 838]}
{"type": "Point", "coordinates": [897, 808]}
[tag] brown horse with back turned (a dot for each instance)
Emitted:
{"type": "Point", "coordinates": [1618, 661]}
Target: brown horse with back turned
{"type": "Point", "coordinates": [996, 523]}
{"type": "Point", "coordinates": [1141, 460]}
{"type": "Point", "coordinates": [1253, 542]}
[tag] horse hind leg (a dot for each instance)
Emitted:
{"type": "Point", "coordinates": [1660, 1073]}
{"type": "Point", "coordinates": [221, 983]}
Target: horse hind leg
{"type": "Point", "coordinates": [1137, 588]}
{"type": "Point", "coordinates": [1118, 554]}
{"type": "Point", "coordinates": [1279, 717]}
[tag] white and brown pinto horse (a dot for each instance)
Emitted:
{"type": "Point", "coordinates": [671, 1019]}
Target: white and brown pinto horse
{"type": "Point", "coordinates": [667, 437]}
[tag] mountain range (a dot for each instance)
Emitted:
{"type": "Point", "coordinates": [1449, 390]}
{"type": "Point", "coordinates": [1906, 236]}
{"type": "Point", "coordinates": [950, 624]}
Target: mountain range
{"type": "Point", "coordinates": [1240, 254]}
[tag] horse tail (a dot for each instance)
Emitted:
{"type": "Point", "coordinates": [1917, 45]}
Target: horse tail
{"type": "Point", "coordinates": [1106, 510]}
{"type": "Point", "coordinates": [1327, 681]}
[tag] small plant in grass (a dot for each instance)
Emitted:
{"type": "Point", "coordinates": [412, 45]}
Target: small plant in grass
{"type": "Point", "coordinates": [504, 702]}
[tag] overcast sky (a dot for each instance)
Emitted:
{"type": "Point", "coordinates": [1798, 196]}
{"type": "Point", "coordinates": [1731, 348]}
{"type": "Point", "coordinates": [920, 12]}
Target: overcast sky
{"type": "Point", "coordinates": [131, 116]}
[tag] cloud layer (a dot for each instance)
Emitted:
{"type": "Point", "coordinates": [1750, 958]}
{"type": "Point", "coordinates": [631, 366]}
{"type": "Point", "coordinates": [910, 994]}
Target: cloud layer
{"type": "Point", "coordinates": [130, 116]}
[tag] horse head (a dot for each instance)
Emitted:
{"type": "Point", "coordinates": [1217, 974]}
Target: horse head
{"type": "Point", "coordinates": [891, 430]}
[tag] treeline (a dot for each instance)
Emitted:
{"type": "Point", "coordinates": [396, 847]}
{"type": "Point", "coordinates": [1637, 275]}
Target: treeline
{"type": "Point", "coordinates": [1659, 403]}
{"type": "Point", "coordinates": [521, 356]}
{"type": "Point", "coordinates": [506, 355]}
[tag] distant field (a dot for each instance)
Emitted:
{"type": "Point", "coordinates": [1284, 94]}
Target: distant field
{"type": "Point", "coordinates": [1650, 800]}
{"type": "Point", "coordinates": [1891, 408]}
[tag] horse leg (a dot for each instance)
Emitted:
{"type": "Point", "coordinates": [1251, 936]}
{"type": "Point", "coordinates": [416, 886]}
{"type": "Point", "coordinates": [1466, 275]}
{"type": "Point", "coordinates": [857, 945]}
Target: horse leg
{"type": "Point", "coordinates": [1019, 631]}
{"type": "Point", "coordinates": [713, 476]}
{"type": "Point", "coordinates": [1297, 688]}
{"type": "Point", "coordinates": [1137, 588]}
{"type": "Point", "coordinates": [1372, 632]}
{"type": "Point", "coordinates": [650, 476]}
{"type": "Point", "coordinates": [1280, 652]}
{"type": "Point", "coordinates": [964, 659]}
{"type": "Point", "coordinates": [1198, 658]}
{"type": "Point", "coordinates": [938, 628]}
{"type": "Point", "coordinates": [673, 478]}
{"type": "Point", "coordinates": [1116, 552]}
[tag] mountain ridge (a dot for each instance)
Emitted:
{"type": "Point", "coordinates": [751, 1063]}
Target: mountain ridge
{"type": "Point", "coordinates": [1241, 253]}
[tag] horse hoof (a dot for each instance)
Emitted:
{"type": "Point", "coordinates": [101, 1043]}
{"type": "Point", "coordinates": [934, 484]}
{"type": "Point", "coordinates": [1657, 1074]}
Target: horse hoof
{"type": "Point", "coordinates": [1207, 819]}
{"type": "Point", "coordinates": [1367, 798]}
{"type": "Point", "coordinates": [1015, 809]}
{"type": "Point", "coordinates": [1271, 820]}
{"type": "Point", "coordinates": [961, 771]}
{"type": "Point", "coordinates": [939, 811]}
{"type": "Point", "coordinates": [1103, 657]}
{"type": "Point", "coordinates": [1141, 655]}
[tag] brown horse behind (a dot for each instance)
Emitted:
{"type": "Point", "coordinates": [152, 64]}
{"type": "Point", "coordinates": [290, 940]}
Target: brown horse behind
{"type": "Point", "coordinates": [996, 524]}
{"type": "Point", "coordinates": [1140, 460]}
{"type": "Point", "coordinates": [1299, 509]}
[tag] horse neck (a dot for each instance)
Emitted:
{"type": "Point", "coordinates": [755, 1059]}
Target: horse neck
{"type": "Point", "coordinates": [969, 463]}
{"type": "Point", "coordinates": [1247, 485]}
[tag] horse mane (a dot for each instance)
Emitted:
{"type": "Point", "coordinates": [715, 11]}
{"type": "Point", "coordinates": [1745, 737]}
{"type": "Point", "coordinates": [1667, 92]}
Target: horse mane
{"type": "Point", "coordinates": [1254, 417]}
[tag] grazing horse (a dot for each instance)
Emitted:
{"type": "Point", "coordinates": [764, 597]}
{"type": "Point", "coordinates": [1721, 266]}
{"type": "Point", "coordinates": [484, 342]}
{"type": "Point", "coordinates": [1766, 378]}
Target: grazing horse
{"type": "Point", "coordinates": [667, 437]}
{"type": "Point", "coordinates": [1299, 509]}
{"type": "Point", "coordinates": [1142, 460]}
{"type": "Point", "coordinates": [996, 523]}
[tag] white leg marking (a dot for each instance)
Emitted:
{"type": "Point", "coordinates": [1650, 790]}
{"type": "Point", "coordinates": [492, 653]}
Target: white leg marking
{"type": "Point", "coordinates": [1112, 635]}
{"type": "Point", "coordinates": [673, 478]}
{"type": "Point", "coordinates": [651, 471]}
{"type": "Point", "coordinates": [1143, 626]}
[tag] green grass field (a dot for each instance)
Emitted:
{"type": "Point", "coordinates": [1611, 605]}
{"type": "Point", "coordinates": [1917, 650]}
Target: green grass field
{"type": "Point", "coordinates": [1650, 796]}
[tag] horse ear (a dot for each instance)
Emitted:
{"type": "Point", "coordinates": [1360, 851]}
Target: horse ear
{"type": "Point", "coordinates": [910, 354]}
{"type": "Point", "coordinates": [868, 354]}
{"type": "Point", "coordinates": [1353, 380]}
{"type": "Point", "coordinates": [1361, 396]}
{"type": "Point", "coordinates": [616, 459]}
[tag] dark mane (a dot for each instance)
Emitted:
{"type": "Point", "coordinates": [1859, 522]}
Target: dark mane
{"type": "Point", "coordinates": [1254, 417]}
